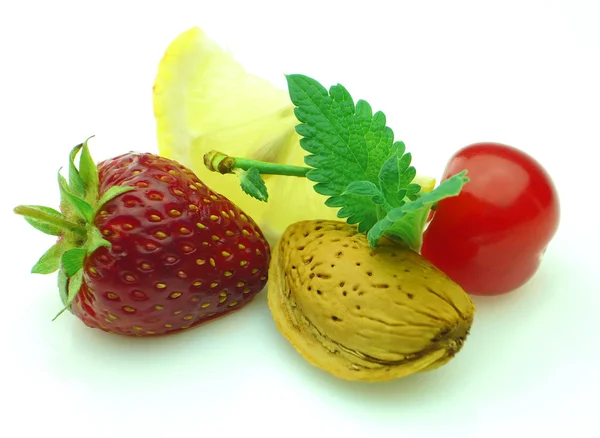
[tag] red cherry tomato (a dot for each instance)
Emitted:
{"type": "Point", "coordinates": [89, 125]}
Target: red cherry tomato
{"type": "Point", "coordinates": [491, 237]}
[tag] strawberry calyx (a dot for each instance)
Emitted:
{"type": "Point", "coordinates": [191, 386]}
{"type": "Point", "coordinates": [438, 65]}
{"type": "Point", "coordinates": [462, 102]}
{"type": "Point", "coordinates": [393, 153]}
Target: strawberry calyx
{"type": "Point", "coordinates": [78, 237]}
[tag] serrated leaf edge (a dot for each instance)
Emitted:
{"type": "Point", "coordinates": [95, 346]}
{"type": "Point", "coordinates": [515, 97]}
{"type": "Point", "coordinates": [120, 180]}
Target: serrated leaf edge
{"type": "Point", "coordinates": [252, 184]}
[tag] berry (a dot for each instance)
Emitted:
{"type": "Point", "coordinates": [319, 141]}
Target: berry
{"type": "Point", "coordinates": [145, 248]}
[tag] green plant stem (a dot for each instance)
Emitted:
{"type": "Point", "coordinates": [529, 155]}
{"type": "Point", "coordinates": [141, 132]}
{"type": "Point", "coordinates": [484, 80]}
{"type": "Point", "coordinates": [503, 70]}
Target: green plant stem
{"type": "Point", "coordinates": [38, 215]}
{"type": "Point", "coordinates": [222, 163]}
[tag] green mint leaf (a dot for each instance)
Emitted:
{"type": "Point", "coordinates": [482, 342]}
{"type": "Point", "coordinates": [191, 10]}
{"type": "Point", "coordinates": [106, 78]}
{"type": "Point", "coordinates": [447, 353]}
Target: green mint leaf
{"type": "Point", "coordinates": [75, 181]}
{"type": "Point", "coordinates": [42, 225]}
{"type": "Point", "coordinates": [412, 190]}
{"type": "Point", "coordinates": [253, 184]}
{"type": "Point", "coordinates": [72, 260]}
{"type": "Point", "coordinates": [364, 188]}
{"type": "Point", "coordinates": [89, 174]}
{"type": "Point", "coordinates": [396, 175]}
{"type": "Point", "coordinates": [49, 262]}
{"type": "Point", "coordinates": [110, 194]}
{"type": "Point", "coordinates": [354, 198]}
{"type": "Point", "coordinates": [345, 143]}
{"type": "Point", "coordinates": [399, 224]}
{"type": "Point", "coordinates": [354, 210]}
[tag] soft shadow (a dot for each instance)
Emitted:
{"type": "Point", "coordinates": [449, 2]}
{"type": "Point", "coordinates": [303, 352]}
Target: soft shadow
{"type": "Point", "coordinates": [424, 387]}
{"type": "Point", "coordinates": [85, 354]}
{"type": "Point", "coordinates": [434, 386]}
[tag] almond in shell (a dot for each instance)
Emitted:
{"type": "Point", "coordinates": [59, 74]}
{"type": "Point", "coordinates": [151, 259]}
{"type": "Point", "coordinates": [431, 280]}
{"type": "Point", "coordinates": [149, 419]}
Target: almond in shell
{"type": "Point", "coordinates": [360, 313]}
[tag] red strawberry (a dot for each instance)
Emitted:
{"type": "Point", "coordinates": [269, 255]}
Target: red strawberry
{"type": "Point", "coordinates": [145, 248]}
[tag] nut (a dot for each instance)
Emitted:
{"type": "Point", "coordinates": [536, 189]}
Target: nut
{"type": "Point", "coordinates": [361, 313]}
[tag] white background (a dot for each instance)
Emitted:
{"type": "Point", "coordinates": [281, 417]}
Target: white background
{"type": "Point", "coordinates": [446, 73]}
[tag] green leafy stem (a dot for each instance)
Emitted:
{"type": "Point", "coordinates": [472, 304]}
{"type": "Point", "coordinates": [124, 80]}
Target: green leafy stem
{"type": "Point", "coordinates": [354, 162]}
{"type": "Point", "coordinates": [77, 237]}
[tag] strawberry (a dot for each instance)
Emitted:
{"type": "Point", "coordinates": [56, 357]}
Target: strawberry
{"type": "Point", "coordinates": [145, 248]}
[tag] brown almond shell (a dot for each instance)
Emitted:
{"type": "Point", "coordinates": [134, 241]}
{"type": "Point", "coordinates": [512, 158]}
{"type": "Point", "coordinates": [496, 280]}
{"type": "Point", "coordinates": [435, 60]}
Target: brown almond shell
{"type": "Point", "coordinates": [360, 313]}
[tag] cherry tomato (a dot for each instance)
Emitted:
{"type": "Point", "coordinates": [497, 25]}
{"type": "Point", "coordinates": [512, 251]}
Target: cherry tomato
{"type": "Point", "coordinates": [491, 237]}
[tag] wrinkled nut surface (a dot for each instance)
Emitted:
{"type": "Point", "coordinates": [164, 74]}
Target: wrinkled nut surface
{"type": "Point", "coordinates": [362, 314]}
